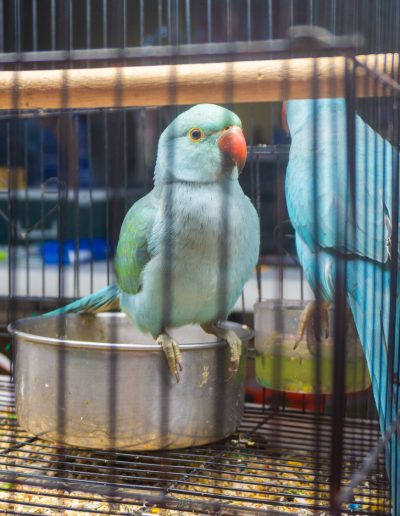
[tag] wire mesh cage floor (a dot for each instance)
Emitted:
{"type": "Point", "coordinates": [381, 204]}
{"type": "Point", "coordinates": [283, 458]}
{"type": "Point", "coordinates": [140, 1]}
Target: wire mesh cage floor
{"type": "Point", "coordinates": [269, 466]}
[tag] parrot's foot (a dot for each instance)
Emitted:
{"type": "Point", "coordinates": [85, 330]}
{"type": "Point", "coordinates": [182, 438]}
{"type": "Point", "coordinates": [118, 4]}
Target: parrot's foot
{"type": "Point", "coordinates": [234, 343]}
{"type": "Point", "coordinates": [307, 324]}
{"type": "Point", "coordinates": [172, 352]}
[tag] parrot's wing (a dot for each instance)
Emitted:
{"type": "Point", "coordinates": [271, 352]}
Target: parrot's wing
{"type": "Point", "coordinates": [375, 157]}
{"type": "Point", "coordinates": [132, 250]}
{"type": "Point", "coordinates": [362, 227]}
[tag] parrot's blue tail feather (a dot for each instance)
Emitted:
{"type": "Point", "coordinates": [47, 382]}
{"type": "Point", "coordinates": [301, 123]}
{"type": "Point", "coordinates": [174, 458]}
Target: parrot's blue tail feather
{"type": "Point", "coordinates": [369, 299]}
{"type": "Point", "coordinates": [101, 301]}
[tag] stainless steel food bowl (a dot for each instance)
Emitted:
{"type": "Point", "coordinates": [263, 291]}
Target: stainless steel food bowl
{"type": "Point", "coordinates": [97, 382]}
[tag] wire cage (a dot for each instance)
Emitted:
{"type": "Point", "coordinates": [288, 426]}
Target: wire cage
{"type": "Point", "coordinates": [87, 89]}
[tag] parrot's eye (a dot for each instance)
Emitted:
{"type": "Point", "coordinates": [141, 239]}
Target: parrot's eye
{"type": "Point", "coordinates": [196, 134]}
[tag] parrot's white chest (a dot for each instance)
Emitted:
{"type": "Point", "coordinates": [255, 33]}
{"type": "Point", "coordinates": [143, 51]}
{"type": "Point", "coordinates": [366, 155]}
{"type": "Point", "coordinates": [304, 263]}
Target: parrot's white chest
{"type": "Point", "coordinates": [206, 243]}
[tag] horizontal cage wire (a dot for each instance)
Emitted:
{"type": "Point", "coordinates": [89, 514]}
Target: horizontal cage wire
{"type": "Point", "coordinates": [88, 87]}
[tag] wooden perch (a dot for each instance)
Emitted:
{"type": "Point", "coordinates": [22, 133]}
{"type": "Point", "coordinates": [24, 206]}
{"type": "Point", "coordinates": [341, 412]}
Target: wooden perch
{"type": "Point", "coordinates": [243, 81]}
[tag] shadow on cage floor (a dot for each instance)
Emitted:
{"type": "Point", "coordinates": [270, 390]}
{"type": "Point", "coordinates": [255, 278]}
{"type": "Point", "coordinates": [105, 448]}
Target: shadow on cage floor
{"type": "Point", "coordinates": [276, 463]}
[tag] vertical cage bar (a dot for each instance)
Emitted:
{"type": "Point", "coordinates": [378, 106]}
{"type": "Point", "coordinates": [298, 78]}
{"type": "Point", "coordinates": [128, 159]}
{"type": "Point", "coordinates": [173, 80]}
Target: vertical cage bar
{"type": "Point", "coordinates": [26, 213]}
{"type": "Point", "coordinates": [248, 20]}
{"type": "Point", "coordinates": [1, 26]}
{"type": "Point", "coordinates": [53, 25]}
{"type": "Point", "coordinates": [104, 23]}
{"type": "Point", "coordinates": [188, 21]}
{"type": "Point", "coordinates": [341, 317]}
{"type": "Point", "coordinates": [160, 20]}
{"type": "Point", "coordinates": [141, 19]}
{"type": "Point", "coordinates": [209, 21]}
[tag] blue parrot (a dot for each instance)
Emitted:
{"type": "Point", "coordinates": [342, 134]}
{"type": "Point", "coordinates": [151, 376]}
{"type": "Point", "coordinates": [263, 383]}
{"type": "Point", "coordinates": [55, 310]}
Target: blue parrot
{"type": "Point", "coordinates": [186, 249]}
{"type": "Point", "coordinates": [349, 223]}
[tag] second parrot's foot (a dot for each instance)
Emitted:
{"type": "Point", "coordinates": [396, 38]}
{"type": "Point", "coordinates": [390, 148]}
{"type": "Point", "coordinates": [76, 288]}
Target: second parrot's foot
{"type": "Point", "coordinates": [172, 352]}
{"type": "Point", "coordinates": [234, 343]}
{"type": "Point", "coordinates": [308, 324]}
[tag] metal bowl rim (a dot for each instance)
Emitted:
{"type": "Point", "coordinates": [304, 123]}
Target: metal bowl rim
{"type": "Point", "coordinates": [248, 334]}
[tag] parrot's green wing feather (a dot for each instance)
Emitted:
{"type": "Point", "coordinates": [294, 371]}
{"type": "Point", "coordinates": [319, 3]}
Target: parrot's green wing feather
{"type": "Point", "coordinates": [132, 250]}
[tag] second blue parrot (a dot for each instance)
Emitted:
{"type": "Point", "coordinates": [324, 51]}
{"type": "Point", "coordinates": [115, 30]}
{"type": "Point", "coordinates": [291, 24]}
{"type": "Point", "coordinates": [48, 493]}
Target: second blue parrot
{"type": "Point", "coordinates": [345, 223]}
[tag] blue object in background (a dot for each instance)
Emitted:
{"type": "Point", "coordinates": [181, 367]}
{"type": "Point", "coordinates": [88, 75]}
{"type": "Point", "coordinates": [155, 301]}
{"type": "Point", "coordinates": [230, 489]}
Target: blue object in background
{"type": "Point", "coordinates": [88, 249]}
{"type": "Point", "coordinates": [354, 506]}
{"type": "Point", "coordinates": [51, 151]}
{"type": "Point", "coordinates": [281, 137]}
{"type": "Point", "coordinates": [44, 149]}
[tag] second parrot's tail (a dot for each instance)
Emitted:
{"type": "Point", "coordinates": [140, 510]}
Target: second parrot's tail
{"type": "Point", "coordinates": [369, 298]}
{"type": "Point", "coordinates": [101, 301]}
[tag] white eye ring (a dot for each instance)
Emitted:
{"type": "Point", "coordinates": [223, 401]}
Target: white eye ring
{"type": "Point", "coordinates": [196, 134]}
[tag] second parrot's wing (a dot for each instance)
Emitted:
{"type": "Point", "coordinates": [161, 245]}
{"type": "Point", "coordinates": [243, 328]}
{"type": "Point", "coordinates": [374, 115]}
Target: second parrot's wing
{"type": "Point", "coordinates": [363, 227]}
{"type": "Point", "coordinates": [132, 250]}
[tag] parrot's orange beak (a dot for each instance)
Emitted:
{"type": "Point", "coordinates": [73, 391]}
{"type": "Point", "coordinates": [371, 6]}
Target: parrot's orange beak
{"type": "Point", "coordinates": [285, 124]}
{"type": "Point", "coordinates": [233, 145]}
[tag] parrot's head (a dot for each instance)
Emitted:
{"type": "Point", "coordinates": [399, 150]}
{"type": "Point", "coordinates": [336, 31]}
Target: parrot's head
{"type": "Point", "coordinates": [202, 145]}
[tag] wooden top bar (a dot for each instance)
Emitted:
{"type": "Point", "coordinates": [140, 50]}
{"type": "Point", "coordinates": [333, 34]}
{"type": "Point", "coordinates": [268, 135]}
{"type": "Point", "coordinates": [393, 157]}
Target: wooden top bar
{"type": "Point", "coordinates": [241, 81]}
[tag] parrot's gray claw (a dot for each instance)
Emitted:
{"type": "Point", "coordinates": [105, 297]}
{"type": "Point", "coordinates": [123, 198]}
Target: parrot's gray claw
{"type": "Point", "coordinates": [234, 343]}
{"type": "Point", "coordinates": [172, 352]}
{"type": "Point", "coordinates": [307, 325]}
{"type": "Point", "coordinates": [235, 347]}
